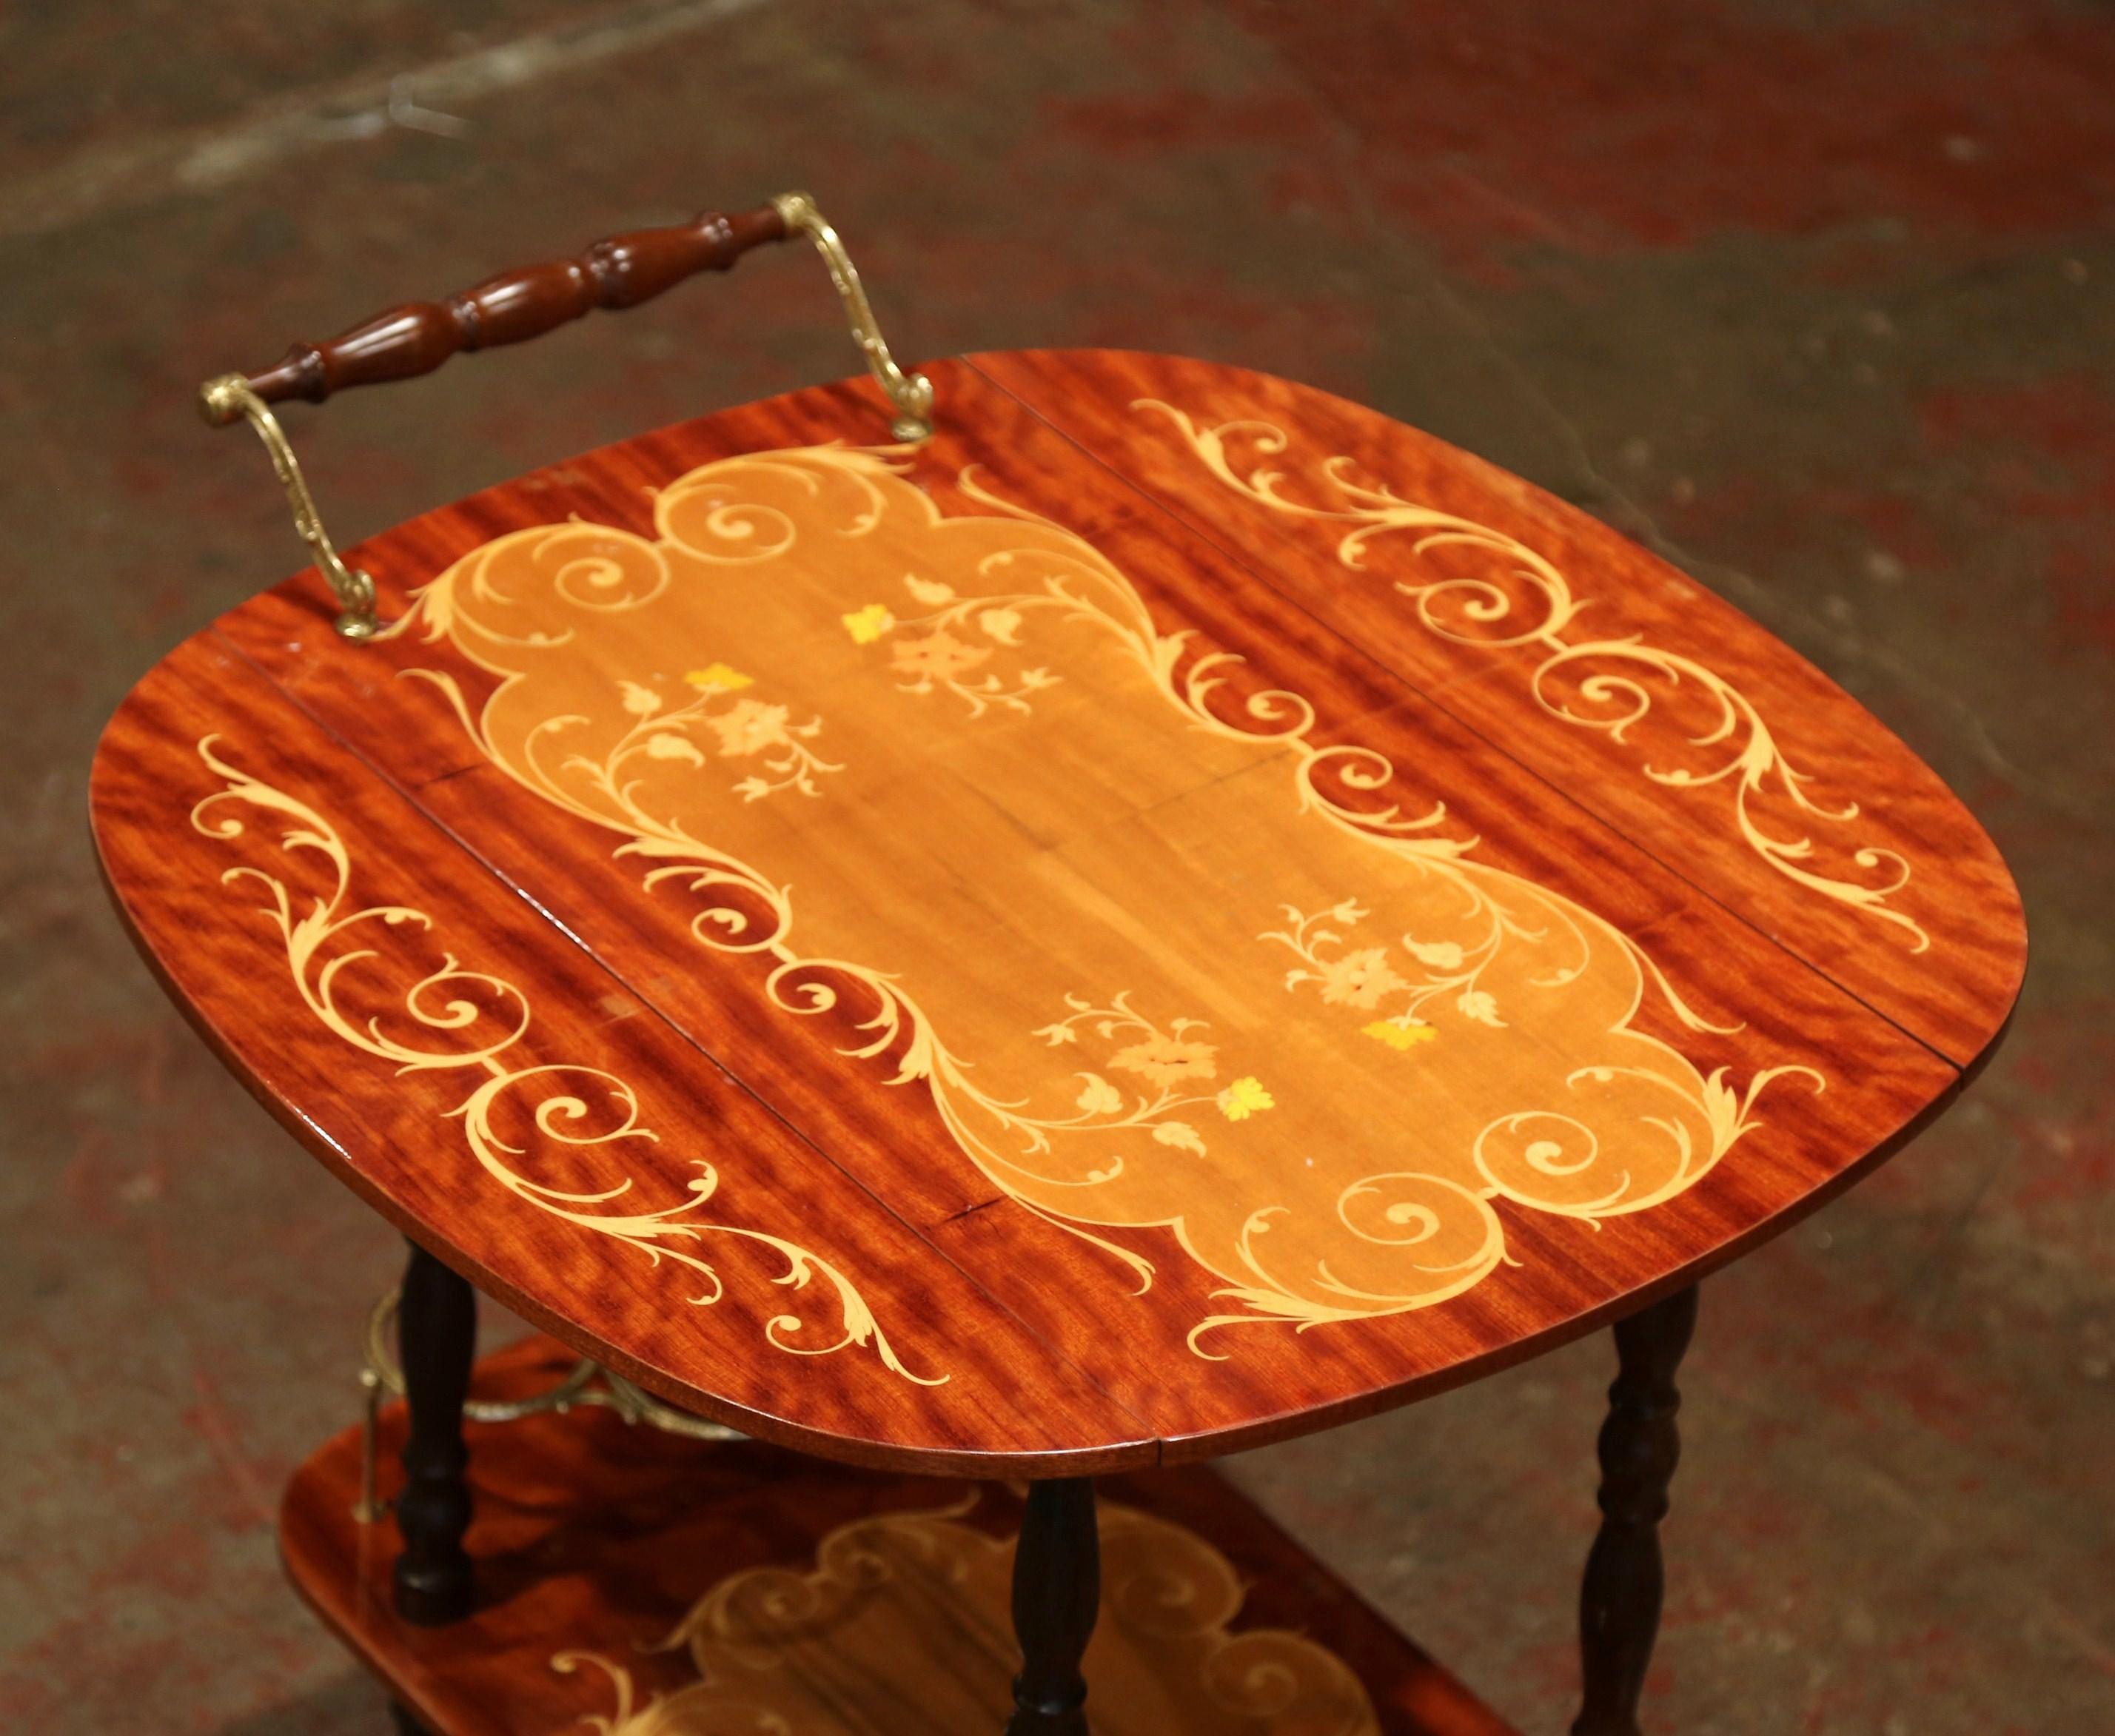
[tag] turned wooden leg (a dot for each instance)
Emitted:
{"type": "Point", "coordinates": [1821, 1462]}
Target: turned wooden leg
{"type": "Point", "coordinates": [437, 1333]}
{"type": "Point", "coordinates": [1057, 1595]}
{"type": "Point", "coordinates": [1619, 1602]}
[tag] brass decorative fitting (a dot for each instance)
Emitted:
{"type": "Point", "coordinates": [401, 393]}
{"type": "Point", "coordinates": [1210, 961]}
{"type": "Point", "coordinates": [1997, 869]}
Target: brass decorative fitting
{"type": "Point", "coordinates": [911, 393]}
{"type": "Point", "coordinates": [587, 1384]}
{"type": "Point", "coordinates": [226, 398]}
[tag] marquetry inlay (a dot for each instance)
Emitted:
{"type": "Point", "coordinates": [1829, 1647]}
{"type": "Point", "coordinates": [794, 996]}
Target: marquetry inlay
{"type": "Point", "coordinates": [1155, 957]}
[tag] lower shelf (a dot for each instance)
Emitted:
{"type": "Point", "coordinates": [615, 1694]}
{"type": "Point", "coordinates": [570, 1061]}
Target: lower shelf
{"type": "Point", "coordinates": [656, 1586]}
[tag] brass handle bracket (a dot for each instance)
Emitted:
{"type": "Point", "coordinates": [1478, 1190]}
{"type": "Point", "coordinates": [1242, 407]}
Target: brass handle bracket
{"type": "Point", "coordinates": [911, 393]}
{"type": "Point", "coordinates": [226, 398]}
{"type": "Point", "coordinates": [618, 273]}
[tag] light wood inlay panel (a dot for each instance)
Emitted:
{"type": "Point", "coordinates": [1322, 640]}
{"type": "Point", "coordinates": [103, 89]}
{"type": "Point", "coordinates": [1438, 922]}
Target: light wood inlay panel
{"type": "Point", "coordinates": [667, 1587]}
{"type": "Point", "coordinates": [460, 1065]}
{"type": "Point", "coordinates": [1151, 957]}
{"type": "Point", "coordinates": [1257, 1035]}
{"type": "Point", "coordinates": [1657, 705]}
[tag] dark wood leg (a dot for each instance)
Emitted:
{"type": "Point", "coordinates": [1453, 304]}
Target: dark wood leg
{"type": "Point", "coordinates": [1619, 1602]}
{"type": "Point", "coordinates": [1057, 1595]}
{"type": "Point", "coordinates": [437, 1331]}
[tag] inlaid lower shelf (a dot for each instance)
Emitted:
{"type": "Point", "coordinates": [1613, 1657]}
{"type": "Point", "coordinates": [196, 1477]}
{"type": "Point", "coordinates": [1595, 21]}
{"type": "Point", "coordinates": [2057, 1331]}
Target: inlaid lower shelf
{"type": "Point", "coordinates": [670, 1587]}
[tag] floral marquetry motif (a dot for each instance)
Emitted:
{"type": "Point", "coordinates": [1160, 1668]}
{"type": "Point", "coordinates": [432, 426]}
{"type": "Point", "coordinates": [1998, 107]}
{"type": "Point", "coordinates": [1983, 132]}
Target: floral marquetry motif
{"type": "Point", "coordinates": [909, 1610]}
{"type": "Point", "coordinates": [1648, 700]}
{"type": "Point", "coordinates": [659, 1588]}
{"type": "Point", "coordinates": [1111, 942]}
{"type": "Point", "coordinates": [1184, 1088]}
{"type": "Point", "coordinates": [1518, 601]}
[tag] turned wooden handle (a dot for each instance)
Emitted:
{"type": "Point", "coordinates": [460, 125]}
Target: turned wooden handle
{"type": "Point", "coordinates": [416, 337]}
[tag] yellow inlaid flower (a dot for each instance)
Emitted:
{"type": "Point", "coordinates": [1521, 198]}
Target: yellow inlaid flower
{"type": "Point", "coordinates": [1397, 1035]}
{"type": "Point", "coordinates": [1244, 1097]}
{"type": "Point", "coordinates": [868, 624]}
{"type": "Point", "coordinates": [718, 678]}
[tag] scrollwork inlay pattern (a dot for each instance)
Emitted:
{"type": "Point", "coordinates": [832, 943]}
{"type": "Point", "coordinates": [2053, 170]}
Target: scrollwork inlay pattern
{"type": "Point", "coordinates": [909, 1610]}
{"type": "Point", "coordinates": [1526, 602]}
{"type": "Point", "coordinates": [1096, 1017]}
{"type": "Point", "coordinates": [476, 1022]}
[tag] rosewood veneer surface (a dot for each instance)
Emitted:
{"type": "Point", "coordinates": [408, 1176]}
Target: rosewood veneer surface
{"type": "Point", "coordinates": [782, 1583]}
{"type": "Point", "coordinates": [1175, 913]}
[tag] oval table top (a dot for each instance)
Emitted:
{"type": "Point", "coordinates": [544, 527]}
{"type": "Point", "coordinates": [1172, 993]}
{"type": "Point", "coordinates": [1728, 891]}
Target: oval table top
{"type": "Point", "coordinates": [1177, 912]}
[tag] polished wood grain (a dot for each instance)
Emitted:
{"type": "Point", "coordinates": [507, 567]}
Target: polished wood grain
{"type": "Point", "coordinates": [916, 863]}
{"type": "Point", "coordinates": [415, 337]}
{"type": "Point", "coordinates": [701, 1312]}
{"type": "Point", "coordinates": [1777, 735]}
{"type": "Point", "coordinates": [599, 1542]}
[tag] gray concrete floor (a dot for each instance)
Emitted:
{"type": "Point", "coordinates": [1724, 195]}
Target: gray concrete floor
{"type": "Point", "coordinates": [1814, 299]}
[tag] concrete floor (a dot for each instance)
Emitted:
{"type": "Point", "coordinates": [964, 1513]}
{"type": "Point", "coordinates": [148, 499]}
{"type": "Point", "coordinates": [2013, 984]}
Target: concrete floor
{"type": "Point", "coordinates": [1814, 298]}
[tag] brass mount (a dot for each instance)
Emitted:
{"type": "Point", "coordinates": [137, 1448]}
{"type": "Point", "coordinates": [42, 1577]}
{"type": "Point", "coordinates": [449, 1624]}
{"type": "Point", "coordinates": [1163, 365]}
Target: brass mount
{"type": "Point", "coordinates": [228, 397]}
